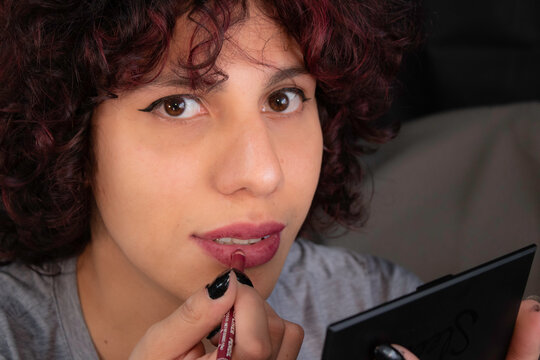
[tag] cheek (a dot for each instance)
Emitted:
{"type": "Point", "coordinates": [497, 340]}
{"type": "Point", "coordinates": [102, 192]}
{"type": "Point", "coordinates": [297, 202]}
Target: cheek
{"type": "Point", "coordinates": [136, 184]}
{"type": "Point", "coordinates": [300, 158]}
{"type": "Point", "coordinates": [138, 188]}
{"type": "Point", "coordinates": [304, 161]}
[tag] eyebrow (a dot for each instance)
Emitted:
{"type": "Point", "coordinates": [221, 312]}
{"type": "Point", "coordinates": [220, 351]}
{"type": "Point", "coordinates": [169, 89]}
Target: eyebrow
{"type": "Point", "coordinates": [287, 73]}
{"type": "Point", "coordinates": [173, 79]}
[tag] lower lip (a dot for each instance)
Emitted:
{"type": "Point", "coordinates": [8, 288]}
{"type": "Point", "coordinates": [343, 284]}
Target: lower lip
{"type": "Point", "coordinates": [256, 254]}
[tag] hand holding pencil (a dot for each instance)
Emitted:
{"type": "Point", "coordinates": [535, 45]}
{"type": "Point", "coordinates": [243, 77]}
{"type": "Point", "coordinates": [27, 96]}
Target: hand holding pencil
{"type": "Point", "coordinates": [259, 333]}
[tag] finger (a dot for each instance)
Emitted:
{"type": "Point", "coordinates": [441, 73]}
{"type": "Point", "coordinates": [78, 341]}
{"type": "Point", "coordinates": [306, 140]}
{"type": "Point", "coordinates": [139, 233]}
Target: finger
{"type": "Point", "coordinates": [286, 336]}
{"type": "Point", "coordinates": [525, 344]}
{"type": "Point", "coordinates": [213, 336]}
{"type": "Point", "coordinates": [276, 329]}
{"type": "Point", "coordinates": [252, 331]}
{"type": "Point", "coordinates": [404, 352]}
{"type": "Point", "coordinates": [393, 352]}
{"type": "Point", "coordinates": [241, 278]}
{"type": "Point", "coordinates": [179, 335]}
{"type": "Point", "coordinates": [292, 341]}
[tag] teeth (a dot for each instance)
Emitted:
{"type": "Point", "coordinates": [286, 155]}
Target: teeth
{"type": "Point", "coordinates": [234, 241]}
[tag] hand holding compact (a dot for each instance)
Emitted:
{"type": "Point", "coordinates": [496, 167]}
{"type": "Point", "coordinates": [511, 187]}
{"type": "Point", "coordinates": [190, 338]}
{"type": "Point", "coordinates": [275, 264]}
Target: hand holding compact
{"type": "Point", "coordinates": [525, 344]}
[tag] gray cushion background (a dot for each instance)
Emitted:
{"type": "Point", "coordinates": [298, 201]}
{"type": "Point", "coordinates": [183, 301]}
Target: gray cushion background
{"type": "Point", "coordinates": [455, 189]}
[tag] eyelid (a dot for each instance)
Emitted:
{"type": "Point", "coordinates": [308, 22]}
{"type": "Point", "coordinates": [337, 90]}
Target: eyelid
{"type": "Point", "coordinates": [159, 101]}
{"type": "Point", "coordinates": [295, 90]}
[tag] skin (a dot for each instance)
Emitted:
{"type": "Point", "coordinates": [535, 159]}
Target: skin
{"type": "Point", "coordinates": [159, 180]}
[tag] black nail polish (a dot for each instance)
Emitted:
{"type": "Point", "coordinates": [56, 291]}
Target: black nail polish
{"type": "Point", "coordinates": [219, 286]}
{"type": "Point", "coordinates": [213, 332]}
{"type": "Point", "coordinates": [242, 278]}
{"type": "Point", "coordinates": [387, 352]}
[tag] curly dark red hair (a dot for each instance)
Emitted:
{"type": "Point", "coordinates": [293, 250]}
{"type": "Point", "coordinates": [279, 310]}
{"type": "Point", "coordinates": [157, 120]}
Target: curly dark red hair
{"type": "Point", "coordinates": [59, 59]}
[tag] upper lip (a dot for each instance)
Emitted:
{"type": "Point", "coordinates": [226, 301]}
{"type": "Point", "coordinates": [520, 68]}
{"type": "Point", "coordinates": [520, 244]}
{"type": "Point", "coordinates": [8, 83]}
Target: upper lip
{"type": "Point", "coordinates": [243, 231]}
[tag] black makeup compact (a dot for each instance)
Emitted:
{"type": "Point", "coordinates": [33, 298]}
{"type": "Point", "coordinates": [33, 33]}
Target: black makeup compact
{"type": "Point", "coordinates": [469, 316]}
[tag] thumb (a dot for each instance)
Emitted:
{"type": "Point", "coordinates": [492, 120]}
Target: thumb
{"type": "Point", "coordinates": [181, 332]}
{"type": "Point", "coordinates": [525, 343]}
{"type": "Point", "coordinates": [393, 352]}
{"type": "Point", "coordinates": [407, 355]}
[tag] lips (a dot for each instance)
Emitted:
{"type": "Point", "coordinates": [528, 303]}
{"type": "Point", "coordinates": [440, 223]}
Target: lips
{"type": "Point", "coordinates": [259, 242]}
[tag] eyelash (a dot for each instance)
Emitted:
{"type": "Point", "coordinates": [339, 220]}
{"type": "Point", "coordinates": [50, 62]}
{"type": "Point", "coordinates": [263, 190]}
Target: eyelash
{"type": "Point", "coordinates": [162, 100]}
{"type": "Point", "coordinates": [297, 91]}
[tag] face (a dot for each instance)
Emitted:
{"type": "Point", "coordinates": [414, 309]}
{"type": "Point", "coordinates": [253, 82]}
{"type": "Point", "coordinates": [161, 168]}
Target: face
{"type": "Point", "coordinates": [186, 177]}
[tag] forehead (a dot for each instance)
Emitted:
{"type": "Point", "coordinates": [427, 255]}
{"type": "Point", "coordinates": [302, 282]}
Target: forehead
{"type": "Point", "coordinates": [199, 51]}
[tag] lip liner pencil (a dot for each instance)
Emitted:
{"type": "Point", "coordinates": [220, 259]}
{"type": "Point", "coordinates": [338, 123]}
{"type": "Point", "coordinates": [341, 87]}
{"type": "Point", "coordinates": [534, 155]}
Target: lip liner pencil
{"type": "Point", "coordinates": [228, 326]}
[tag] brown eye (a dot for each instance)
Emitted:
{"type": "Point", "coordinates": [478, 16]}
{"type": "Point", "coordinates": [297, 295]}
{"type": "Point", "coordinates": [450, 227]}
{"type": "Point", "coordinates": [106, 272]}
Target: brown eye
{"type": "Point", "coordinates": [174, 106]}
{"type": "Point", "coordinates": [285, 101]}
{"type": "Point", "coordinates": [177, 107]}
{"type": "Point", "coordinates": [278, 101]}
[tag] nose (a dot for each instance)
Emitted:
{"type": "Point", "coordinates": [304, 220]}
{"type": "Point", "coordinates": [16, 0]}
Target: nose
{"type": "Point", "coordinates": [248, 161]}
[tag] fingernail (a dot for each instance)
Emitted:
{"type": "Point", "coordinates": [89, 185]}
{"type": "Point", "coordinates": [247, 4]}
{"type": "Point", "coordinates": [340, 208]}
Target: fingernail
{"type": "Point", "coordinates": [387, 352]}
{"type": "Point", "coordinates": [213, 332]}
{"type": "Point", "coordinates": [242, 278]}
{"type": "Point", "coordinates": [219, 286]}
{"type": "Point", "coordinates": [536, 307]}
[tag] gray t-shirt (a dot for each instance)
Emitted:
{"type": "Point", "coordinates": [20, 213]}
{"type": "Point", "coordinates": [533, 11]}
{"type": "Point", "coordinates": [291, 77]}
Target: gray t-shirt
{"type": "Point", "coordinates": [41, 318]}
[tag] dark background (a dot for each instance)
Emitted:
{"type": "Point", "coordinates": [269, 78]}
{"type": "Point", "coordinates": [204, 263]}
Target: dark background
{"type": "Point", "coordinates": [475, 53]}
